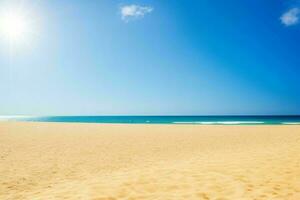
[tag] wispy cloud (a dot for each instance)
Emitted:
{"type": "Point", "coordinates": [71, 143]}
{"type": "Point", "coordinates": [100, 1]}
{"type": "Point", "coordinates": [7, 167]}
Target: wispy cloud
{"type": "Point", "coordinates": [291, 17]}
{"type": "Point", "coordinates": [129, 12]}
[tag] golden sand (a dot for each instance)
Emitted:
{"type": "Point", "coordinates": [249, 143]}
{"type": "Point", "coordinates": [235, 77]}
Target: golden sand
{"type": "Point", "coordinates": [48, 161]}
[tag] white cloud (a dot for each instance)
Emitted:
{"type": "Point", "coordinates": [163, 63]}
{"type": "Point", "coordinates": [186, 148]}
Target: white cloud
{"type": "Point", "coordinates": [133, 11]}
{"type": "Point", "coordinates": [291, 17]}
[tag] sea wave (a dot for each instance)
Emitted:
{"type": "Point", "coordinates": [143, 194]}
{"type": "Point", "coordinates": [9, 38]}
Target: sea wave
{"type": "Point", "coordinates": [12, 117]}
{"type": "Point", "coordinates": [291, 123]}
{"type": "Point", "coordinates": [222, 122]}
{"type": "Point", "coordinates": [241, 122]}
{"type": "Point", "coordinates": [187, 122]}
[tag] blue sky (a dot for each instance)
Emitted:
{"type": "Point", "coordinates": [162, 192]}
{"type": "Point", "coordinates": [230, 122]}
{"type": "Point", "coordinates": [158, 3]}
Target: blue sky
{"type": "Point", "coordinates": [197, 57]}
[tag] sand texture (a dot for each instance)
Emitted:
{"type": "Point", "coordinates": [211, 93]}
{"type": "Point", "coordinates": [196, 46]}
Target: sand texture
{"type": "Point", "coordinates": [49, 161]}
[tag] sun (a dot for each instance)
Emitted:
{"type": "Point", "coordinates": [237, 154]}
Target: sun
{"type": "Point", "coordinates": [14, 26]}
{"type": "Point", "coordinates": [19, 26]}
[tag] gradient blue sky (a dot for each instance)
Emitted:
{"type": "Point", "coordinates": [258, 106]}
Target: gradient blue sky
{"type": "Point", "coordinates": [197, 57]}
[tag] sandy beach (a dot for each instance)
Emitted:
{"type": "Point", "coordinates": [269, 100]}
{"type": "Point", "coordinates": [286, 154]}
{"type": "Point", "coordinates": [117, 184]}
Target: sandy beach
{"type": "Point", "coordinates": [108, 162]}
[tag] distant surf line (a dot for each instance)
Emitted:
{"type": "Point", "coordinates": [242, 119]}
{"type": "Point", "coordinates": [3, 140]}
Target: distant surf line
{"type": "Point", "coordinates": [222, 122]}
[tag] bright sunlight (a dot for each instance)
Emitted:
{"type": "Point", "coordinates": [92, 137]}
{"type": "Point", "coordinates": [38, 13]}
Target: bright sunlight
{"type": "Point", "coordinates": [15, 26]}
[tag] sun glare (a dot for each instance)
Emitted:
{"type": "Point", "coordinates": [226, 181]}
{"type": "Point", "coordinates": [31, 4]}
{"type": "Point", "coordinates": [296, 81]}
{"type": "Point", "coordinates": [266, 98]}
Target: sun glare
{"type": "Point", "coordinates": [14, 26]}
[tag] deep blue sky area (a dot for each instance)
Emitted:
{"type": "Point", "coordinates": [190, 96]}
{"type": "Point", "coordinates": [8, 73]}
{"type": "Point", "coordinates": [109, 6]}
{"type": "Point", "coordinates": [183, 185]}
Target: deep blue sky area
{"type": "Point", "coordinates": [140, 57]}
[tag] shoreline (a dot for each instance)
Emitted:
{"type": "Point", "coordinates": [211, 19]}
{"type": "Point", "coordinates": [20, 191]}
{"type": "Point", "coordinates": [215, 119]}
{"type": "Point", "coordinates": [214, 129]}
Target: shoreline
{"type": "Point", "coordinates": [194, 120]}
{"type": "Point", "coordinates": [160, 124]}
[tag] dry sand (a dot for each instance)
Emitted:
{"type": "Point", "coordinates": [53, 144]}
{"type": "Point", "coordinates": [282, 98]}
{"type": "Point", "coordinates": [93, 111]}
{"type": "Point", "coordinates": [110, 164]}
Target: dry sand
{"type": "Point", "coordinates": [45, 161]}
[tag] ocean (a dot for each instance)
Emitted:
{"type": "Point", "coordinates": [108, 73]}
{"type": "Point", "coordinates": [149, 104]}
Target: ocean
{"type": "Point", "coordinates": [204, 120]}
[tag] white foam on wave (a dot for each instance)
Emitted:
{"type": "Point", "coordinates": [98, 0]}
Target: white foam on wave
{"type": "Point", "coordinates": [208, 122]}
{"type": "Point", "coordinates": [222, 122]}
{"type": "Point", "coordinates": [291, 123]}
{"type": "Point", "coordinates": [13, 116]}
{"type": "Point", "coordinates": [187, 122]}
{"type": "Point", "coordinates": [240, 122]}
{"type": "Point", "coordinates": [195, 122]}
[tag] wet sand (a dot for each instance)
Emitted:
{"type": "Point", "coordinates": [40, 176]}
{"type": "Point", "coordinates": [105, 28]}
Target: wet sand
{"type": "Point", "coordinates": [107, 162]}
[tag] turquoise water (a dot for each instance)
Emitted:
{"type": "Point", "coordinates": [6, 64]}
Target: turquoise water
{"type": "Point", "coordinates": [204, 120]}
